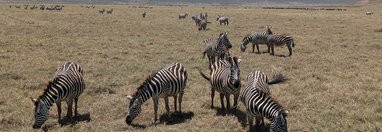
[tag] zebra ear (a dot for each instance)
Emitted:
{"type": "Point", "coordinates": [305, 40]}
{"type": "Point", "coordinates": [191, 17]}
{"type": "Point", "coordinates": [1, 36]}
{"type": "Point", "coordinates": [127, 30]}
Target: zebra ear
{"type": "Point", "coordinates": [33, 100]}
{"type": "Point", "coordinates": [239, 60]}
{"type": "Point", "coordinates": [129, 97]}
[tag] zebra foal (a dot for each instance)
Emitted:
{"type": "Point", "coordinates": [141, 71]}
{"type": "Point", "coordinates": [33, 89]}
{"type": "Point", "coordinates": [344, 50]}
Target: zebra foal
{"type": "Point", "coordinates": [225, 78]}
{"type": "Point", "coordinates": [256, 98]}
{"type": "Point", "coordinates": [169, 81]}
{"type": "Point", "coordinates": [256, 38]}
{"type": "Point", "coordinates": [280, 40]}
{"type": "Point", "coordinates": [67, 85]}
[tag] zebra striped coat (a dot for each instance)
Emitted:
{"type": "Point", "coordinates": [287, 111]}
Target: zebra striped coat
{"type": "Point", "coordinates": [256, 38]}
{"type": "Point", "coordinates": [225, 78]}
{"type": "Point", "coordinates": [258, 102]}
{"type": "Point", "coordinates": [169, 81]}
{"type": "Point", "coordinates": [280, 40]}
{"type": "Point", "coordinates": [182, 15]}
{"type": "Point", "coordinates": [217, 48]}
{"type": "Point", "coordinates": [67, 84]}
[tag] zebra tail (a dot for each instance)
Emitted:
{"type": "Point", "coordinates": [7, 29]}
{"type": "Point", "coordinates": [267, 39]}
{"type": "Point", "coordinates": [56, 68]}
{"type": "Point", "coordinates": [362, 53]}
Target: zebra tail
{"type": "Point", "coordinates": [278, 78]}
{"type": "Point", "coordinates": [204, 54]}
{"type": "Point", "coordinates": [203, 75]}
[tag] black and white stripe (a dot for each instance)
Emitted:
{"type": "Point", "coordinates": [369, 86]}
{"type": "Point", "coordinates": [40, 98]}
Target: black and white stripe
{"type": "Point", "coordinates": [280, 40]}
{"type": "Point", "coordinates": [256, 38]}
{"type": "Point", "coordinates": [258, 102]}
{"type": "Point", "coordinates": [225, 78]}
{"type": "Point", "coordinates": [202, 24]}
{"type": "Point", "coordinates": [169, 81]}
{"type": "Point", "coordinates": [217, 48]}
{"type": "Point", "coordinates": [182, 15]}
{"type": "Point", "coordinates": [67, 85]}
{"type": "Point", "coordinates": [222, 19]}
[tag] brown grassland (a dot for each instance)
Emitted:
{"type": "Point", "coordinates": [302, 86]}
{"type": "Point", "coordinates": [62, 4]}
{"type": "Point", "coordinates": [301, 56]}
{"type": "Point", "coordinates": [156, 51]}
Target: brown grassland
{"type": "Point", "coordinates": [335, 80]}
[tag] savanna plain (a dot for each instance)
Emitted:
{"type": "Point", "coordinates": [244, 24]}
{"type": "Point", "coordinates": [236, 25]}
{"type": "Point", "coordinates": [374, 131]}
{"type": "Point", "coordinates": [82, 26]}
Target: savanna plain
{"type": "Point", "coordinates": [334, 75]}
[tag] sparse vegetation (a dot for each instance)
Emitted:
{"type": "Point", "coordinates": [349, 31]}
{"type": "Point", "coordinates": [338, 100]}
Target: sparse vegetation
{"type": "Point", "coordinates": [334, 75]}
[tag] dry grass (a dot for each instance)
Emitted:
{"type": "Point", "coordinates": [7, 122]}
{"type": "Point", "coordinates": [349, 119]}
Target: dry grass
{"type": "Point", "coordinates": [334, 72]}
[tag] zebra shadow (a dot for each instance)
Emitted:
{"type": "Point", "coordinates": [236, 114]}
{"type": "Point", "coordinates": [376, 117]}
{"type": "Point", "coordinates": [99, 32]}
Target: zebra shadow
{"type": "Point", "coordinates": [75, 119]}
{"type": "Point", "coordinates": [240, 115]}
{"type": "Point", "coordinates": [176, 118]}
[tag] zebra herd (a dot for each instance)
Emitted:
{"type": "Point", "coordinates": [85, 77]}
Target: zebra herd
{"type": "Point", "coordinates": [68, 84]}
{"type": "Point", "coordinates": [107, 11]}
{"type": "Point", "coordinates": [42, 7]}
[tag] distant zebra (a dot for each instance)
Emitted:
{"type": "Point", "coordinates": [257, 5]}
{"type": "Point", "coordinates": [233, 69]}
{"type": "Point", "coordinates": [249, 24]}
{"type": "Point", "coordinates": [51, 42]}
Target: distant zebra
{"type": "Point", "coordinates": [67, 84]}
{"type": "Point", "coordinates": [222, 19]}
{"type": "Point", "coordinates": [225, 78]}
{"type": "Point", "coordinates": [17, 6]}
{"type": "Point", "coordinates": [110, 11]}
{"type": "Point", "coordinates": [196, 19]}
{"type": "Point", "coordinates": [369, 13]}
{"type": "Point", "coordinates": [144, 14]}
{"type": "Point", "coordinates": [217, 48]}
{"type": "Point", "coordinates": [102, 11]}
{"type": "Point", "coordinates": [280, 40]}
{"type": "Point", "coordinates": [169, 81]}
{"type": "Point", "coordinates": [260, 104]}
{"type": "Point", "coordinates": [202, 24]}
{"type": "Point", "coordinates": [256, 38]}
{"type": "Point", "coordinates": [182, 15]}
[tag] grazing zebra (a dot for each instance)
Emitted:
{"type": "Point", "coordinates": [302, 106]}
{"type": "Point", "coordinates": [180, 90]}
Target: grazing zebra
{"type": "Point", "coordinates": [225, 78]}
{"type": "Point", "coordinates": [144, 15]}
{"type": "Point", "coordinates": [217, 48]}
{"type": "Point", "coordinates": [256, 38]}
{"type": "Point", "coordinates": [260, 104]}
{"type": "Point", "coordinates": [67, 84]}
{"type": "Point", "coordinates": [102, 11]}
{"type": "Point", "coordinates": [280, 40]}
{"type": "Point", "coordinates": [110, 11]}
{"type": "Point", "coordinates": [182, 15]}
{"type": "Point", "coordinates": [222, 19]}
{"type": "Point", "coordinates": [369, 13]}
{"type": "Point", "coordinates": [202, 24]}
{"type": "Point", "coordinates": [169, 81]}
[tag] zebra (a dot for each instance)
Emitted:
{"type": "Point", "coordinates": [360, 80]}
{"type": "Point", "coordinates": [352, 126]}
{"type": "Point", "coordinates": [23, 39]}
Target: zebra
{"type": "Point", "coordinates": [183, 15]}
{"type": "Point", "coordinates": [169, 81]}
{"type": "Point", "coordinates": [217, 48]}
{"type": "Point", "coordinates": [110, 11]}
{"type": "Point", "coordinates": [369, 13]}
{"type": "Point", "coordinates": [144, 15]}
{"type": "Point", "coordinates": [256, 38]}
{"type": "Point", "coordinates": [102, 11]}
{"type": "Point", "coordinates": [222, 19]}
{"type": "Point", "coordinates": [280, 40]}
{"type": "Point", "coordinates": [67, 84]}
{"type": "Point", "coordinates": [225, 78]}
{"type": "Point", "coordinates": [202, 24]}
{"type": "Point", "coordinates": [260, 104]}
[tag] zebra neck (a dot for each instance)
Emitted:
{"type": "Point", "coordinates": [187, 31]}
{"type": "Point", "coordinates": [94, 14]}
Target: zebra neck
{"type": "Point", "coordinates": [147, 92]}
{"type": "Point", "coordinates": [50, 96]}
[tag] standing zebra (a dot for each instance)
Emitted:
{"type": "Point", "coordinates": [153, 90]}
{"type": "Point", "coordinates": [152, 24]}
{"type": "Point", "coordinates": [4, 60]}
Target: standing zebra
{"type": "Point", "coordinates": [102, 11]}
{"type": "Point", "coordinates": [202, 24]}
{"type": "Point", "coordinates": [256, 38]}
{"type": "Point", "coordinates": [196, 19]}
{"type": "Point", "coordinates": [258, 102]}
{"type": "Point", "coordinates": [225, 78]}
{"type": "Point", "coordinates": [110, 11]}
{"type": "Point", "coordinates": [183, 15]}
{"type": "Point", "coordinates": [217, 48]}
{"type": "Point", "coordinates": [222, 19]}
{"type": "Point", "coordinates": [280, 40]}
{"type": "Point", "coordinates": [144, 14]}
{"type": "Point", "coordinates": [67, 84]}
{"type": "Point", "coordinates": [169, 81]}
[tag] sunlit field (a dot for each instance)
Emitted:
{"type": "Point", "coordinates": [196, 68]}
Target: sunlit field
{"type": "Point", "coordinates": [334, 75]}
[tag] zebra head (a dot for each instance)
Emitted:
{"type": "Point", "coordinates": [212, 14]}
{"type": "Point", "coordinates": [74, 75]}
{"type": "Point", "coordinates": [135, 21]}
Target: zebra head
{"type": "Point", "coordinates": [245, 41]}
{"type": "Point", "coordinates": [41, 113]}
{"type": "Point", "coordinates": [134, 108]}
{"type": "Point", "coordinates": [268, 30]}
{"type": "Point", "coordinates": [235, 71]}
{"type": "Point", "coordinates": [217, 17]}
{"type": "Point", "coordinates": [223, 39]}
{"type": "Point", "coordinates": [279, 123]}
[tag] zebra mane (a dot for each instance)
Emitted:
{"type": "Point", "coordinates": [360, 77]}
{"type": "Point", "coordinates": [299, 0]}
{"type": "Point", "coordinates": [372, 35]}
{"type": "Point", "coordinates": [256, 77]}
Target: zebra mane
{"type": "Point", "coordinates": [49, 86]}
{"type": "Point", "coordinates": [246, 36]}
{"type": "Point", "coordinates": [147, 81]}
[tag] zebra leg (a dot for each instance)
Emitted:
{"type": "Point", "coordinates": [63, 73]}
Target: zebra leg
{"type": "Point", "coordinates": [75, 106]}
{"type": "Point", "coordinates": [175, 100]}
{"type": "Point", "coordinates": [290, 49]}
{"type": "Point", "coordinates": [235, 98]}
{"type": "Point", "coordinates": [58, 103]}
{"type": "Point", "coordinates": [167, 107]}
{"type": "Point", "coordinates": [222, 100]}
{"type": "Point", "coordinates": [253, 47]}
{"type": "Point", "coordinates": [272, 49]}
{"type": "Point", "coordinates": [212, 97]}
{"type": "Point", "coordinates": [155, 109]}
{"type": "Point", "coordinates": [250, 121]}
{"type": "Point", "coordinates": [180, 98]}
{"type": "Point", "coordinates": [227, 96]}
{"type": "Point", "coordinates": [257, 47]}
{"type": "Point", "coordinates": [70, 108]}
{"type": "Point", "coordinates": [259, 121]}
